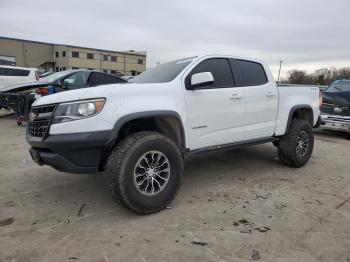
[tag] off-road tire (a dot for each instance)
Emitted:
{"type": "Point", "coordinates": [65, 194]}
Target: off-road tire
{"type": "Point", "coordinates": [119, 172]}
{"type": "Point", "coordinates": [287, 149]}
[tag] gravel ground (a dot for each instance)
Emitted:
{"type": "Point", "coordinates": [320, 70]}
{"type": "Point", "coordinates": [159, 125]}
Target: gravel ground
{"type": "Point", "coordinates": [239, 205]}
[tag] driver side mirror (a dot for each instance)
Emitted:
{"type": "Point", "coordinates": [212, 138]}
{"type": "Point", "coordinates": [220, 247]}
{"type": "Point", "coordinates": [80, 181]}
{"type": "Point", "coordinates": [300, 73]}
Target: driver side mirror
{"type": "Point", "coordinates": [201, 79]}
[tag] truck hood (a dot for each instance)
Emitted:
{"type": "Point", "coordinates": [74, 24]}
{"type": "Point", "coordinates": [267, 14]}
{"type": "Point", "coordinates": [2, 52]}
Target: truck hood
{"type": "Point", "coordinates": [98, 92]}
{"type": "Point", "coordinates": [337, 98]}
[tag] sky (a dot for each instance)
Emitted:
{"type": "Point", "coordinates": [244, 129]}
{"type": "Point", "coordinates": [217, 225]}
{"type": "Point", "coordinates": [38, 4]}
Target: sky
{"type": "Point", "coordinates": [304, 34]}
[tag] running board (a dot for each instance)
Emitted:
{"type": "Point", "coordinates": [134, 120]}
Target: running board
{"type": "Point", "coordinates": [253, 142]}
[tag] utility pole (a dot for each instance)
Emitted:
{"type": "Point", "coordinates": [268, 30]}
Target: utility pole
{"type": "Point", "coordinates": [279, 71]}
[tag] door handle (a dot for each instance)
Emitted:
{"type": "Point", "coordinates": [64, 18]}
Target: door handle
{"type": "Point", "coordinates": [236, 96]}
{"type": "Point", "coordinates": [269, 94]}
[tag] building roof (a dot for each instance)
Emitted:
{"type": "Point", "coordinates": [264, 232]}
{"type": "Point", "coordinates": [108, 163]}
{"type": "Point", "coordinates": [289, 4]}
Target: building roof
{"type": "Point", "coordinates": [131, 52]}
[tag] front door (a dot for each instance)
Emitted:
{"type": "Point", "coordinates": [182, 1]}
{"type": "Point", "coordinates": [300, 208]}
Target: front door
{"type": "Point", "coordinates": [215, 113]}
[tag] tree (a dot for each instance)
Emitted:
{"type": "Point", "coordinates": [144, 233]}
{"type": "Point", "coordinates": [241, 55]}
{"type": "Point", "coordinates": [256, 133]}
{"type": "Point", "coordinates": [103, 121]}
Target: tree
{"type": "Point", "coordinates": [322, 76]}
{"type": "Point", "coordinates": [298, 77]}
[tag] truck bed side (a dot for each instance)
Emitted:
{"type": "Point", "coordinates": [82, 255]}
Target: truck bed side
{"type": "Point", "coordinates": [292, 98]}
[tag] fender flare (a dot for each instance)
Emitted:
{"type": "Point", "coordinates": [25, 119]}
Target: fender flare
{"type": "Point", "coordinates": [126, 118]}
{"type": "Point", "coordinates": [295, 108]}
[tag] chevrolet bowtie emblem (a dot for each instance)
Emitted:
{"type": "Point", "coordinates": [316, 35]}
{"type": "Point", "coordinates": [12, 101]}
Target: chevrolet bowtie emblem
{"type": "Point", "coordinates": [32, 117]}
{"type": "Point", "coordinates": [338, 109]}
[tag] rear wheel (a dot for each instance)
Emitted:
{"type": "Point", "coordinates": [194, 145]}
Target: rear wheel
{"type": "Point", "coordinates": [295, 147]}
{"type": "Point", "coordinates": [144, 172]}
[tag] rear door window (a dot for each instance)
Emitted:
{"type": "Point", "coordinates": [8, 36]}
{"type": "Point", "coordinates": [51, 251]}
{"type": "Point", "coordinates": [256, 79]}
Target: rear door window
{"type": "Point", "coordinates": [97, 79]}
{"type": "Point", "coordinates": [220, 69]}
{"type": "Point", "coordinates": [253, 74]}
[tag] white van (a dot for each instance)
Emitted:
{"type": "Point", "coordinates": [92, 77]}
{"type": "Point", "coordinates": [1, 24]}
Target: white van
{"type": "Point", "coordinates": [10, 75]}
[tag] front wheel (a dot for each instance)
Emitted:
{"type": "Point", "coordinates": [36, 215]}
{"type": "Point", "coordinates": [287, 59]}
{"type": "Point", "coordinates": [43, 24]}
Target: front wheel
{"type": "Point", "coordinates": [296, 146]}
{"type": "Point", "coordinates": [144, 172]}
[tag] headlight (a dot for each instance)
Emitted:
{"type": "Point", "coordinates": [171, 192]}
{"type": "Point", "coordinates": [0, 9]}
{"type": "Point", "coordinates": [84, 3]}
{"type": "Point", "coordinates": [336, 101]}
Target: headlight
{"type": "Point", "coordinates": [77, 110]}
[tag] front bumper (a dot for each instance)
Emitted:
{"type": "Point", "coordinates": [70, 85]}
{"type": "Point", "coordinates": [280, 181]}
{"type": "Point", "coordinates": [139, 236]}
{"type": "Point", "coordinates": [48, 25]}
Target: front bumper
{"type": "Point", "coordinates": [72, 153]}
{"type": "Point", "coordinates": [335, 122]}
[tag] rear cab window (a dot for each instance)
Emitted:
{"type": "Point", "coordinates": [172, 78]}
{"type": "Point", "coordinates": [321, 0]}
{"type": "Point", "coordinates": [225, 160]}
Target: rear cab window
{"type": "Point", "coordinates": [252, 73]}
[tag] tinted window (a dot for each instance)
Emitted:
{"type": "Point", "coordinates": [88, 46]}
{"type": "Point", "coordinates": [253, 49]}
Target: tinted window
{"type": "Point", "coordinates": [75, 54]}
{"type": "Point", "coordinates": [253, 74]}
{"type": "Point", "coordinates": [103, 79]}
{"type": "Point", "coordinates": [14, 72]}
{"type": "Point", "coordinates": [76, 80]}
{"type": "Point", "coordinates": [220, 69]}
{"type": "Point", "coordinates": [162, 73]}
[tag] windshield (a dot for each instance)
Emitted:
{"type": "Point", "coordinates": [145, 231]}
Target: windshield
{"type": "Point", "coordinates": [55, 76]}
{"type": "Point", "coordinates": [339, 87]}
{"type": "Point", "coordinates": [163, 73]}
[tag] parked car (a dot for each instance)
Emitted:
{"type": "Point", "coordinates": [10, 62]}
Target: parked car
{"type": "Point", "coordinates": [18, 98]}
{"type": "Point", "coordinates": [45, 74]}
{"type": "Point", "coordinates": [128, 78]}
{"type": "Point", "coordinates": [335, 110]}
{"type": "Point", "coordinates": [10, 75]}
{"type": "Point", "coordinates": [138, 134]}
{"type": "Point", "coordinates": [64, 81]}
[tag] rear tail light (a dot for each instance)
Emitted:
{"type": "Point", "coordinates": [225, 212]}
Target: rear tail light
{"type": "Point", "coordinates": [36, 75]}
{"type": "Point", "coordinates": [321, 99]}
{"type": "Point", "coordinates": [43, 91]}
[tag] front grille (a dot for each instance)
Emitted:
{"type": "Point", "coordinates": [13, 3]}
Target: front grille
{"type": "Point", "coordinates": [330, 109]}
{"type": "Point", "coordinates": [40, 120]}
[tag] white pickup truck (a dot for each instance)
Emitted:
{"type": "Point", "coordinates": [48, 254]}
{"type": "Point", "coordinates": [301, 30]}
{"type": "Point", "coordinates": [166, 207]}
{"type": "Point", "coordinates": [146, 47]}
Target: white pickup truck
{"type": "Point", "coordinates": [138, 134]}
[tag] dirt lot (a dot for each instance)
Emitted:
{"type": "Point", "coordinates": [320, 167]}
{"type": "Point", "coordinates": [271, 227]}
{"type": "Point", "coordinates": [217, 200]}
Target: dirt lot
{"type": "Point", "coordinates": [238, 205]}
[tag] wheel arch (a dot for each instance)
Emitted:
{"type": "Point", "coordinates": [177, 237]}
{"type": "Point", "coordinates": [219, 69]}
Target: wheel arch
{"type": "Point", "coordinates": [304, 112]}
{"type": "Point", "coordinates": [167, 121]}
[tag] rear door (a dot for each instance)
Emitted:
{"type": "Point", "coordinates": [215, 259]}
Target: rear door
{"type": "Point", "coordinates": [261, 100]}
{"type": "Point", "coordinates": [97, 79]}
{"type": "Point", "coordinates": [215, 113]}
